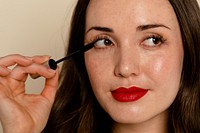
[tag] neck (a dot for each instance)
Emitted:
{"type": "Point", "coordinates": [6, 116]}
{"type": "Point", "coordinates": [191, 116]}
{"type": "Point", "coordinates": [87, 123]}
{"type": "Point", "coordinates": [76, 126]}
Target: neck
{"type": "Point", "coordinates": [158, 124]}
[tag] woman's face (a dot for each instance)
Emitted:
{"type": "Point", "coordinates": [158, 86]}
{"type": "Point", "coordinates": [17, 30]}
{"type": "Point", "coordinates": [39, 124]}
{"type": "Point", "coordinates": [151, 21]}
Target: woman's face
{"type": "Point", "coordinates": [136, 63]}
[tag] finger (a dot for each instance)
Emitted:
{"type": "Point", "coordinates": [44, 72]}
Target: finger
{"type": "Point", "coordinates": [4, 71]}
{"type": "Point", "coordinates": [15, 59]}
{"type": "Point", "coordinates": [20, 73]}
{"type": "Point", "coordinates": [51, 86]}
{"type": "Point", "coordinates": [40, 59]}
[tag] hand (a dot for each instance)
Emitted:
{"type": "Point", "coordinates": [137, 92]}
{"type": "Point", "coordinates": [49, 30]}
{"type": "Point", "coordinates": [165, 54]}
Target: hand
{"type": "Point", "coordinates": [20, 112]}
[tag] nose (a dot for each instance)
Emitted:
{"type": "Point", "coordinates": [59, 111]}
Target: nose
{"type": "Point", "coordinates": [127, 62]}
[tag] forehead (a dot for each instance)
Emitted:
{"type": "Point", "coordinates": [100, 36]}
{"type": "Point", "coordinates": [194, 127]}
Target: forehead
{"type": "Point", "coordinates": [126, 12]}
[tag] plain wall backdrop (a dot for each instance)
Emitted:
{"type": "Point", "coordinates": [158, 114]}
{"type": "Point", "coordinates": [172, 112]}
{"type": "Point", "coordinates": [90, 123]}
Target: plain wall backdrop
{"type": "Point", "coordinates": [35, 27]}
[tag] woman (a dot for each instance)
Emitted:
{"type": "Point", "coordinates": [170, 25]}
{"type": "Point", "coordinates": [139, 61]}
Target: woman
{"type": "Point", "coordinates": [141, 76]}
{"type": "Point", "coordinates": [87, 112]}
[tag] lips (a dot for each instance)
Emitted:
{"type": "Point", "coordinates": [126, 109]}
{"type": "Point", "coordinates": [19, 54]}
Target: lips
{"type": "Point", "coordinates": [128, 94]}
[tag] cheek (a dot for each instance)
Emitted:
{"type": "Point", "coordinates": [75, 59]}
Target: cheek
{"type": "Point", "coordinates": [98, 70]}
{"type": "Point", "coordinates": [164, 72]}
{"type": "Point", "coordinates": [99, 76]}
{"type": "Point", "coordinates": [157, 67]}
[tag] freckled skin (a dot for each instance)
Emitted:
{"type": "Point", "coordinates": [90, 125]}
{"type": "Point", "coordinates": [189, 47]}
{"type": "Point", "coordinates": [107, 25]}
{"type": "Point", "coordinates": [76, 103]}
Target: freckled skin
{"type": "Point", "coordinates": [128, 63]}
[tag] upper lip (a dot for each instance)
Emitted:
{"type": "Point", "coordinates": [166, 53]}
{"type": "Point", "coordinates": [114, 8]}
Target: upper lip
{"type": "Point", "coordinates": [128, 90]}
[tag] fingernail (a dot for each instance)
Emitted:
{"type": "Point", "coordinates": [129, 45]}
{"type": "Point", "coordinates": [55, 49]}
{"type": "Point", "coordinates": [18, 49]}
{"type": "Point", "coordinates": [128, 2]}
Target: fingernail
{"type": "Point", "coordinates": [46, 56]}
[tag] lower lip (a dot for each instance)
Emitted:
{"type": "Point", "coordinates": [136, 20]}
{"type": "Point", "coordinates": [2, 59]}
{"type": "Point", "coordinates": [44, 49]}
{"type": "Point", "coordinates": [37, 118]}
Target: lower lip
{"type": "Point", "coordinates": [128, 94]}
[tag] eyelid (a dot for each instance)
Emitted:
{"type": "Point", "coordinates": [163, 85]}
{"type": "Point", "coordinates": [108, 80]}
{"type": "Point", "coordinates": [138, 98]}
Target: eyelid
{"type": "Point", "coordinates": [153, 35]}
{"type": "Point", "coordinates": [98, 37]}
{"type": "Point", "coordinates": [150, 34]}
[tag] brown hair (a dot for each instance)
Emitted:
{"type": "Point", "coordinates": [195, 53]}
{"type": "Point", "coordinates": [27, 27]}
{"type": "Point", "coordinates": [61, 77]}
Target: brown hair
{"type": "Point", "coordinates": [76, 109]}
{"type": "Point", "coordinates": [185, 111]}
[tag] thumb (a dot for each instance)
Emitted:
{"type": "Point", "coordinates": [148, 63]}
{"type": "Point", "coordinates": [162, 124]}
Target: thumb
{"type": "Point", "coordinates": [51, 86]}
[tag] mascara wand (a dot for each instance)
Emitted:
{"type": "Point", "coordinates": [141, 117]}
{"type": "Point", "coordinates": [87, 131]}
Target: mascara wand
{"type": "Point", "coordinates": [51, 63]}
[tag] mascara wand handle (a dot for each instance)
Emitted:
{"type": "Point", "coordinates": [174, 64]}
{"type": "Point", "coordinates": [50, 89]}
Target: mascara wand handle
{"type": "Point", "coordinates": [52, 64]}
{"type": "Point", "coordinates": [83, 49]}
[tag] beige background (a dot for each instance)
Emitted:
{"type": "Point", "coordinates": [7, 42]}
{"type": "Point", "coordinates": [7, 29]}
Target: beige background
{"type": "Point", "coordinates": [34, 27]}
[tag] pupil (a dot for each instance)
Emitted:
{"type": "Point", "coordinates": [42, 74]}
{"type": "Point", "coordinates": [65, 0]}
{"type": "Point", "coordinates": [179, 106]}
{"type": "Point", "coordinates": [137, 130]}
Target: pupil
{"type": "Point", "coordinates": [156, 40]}
{"type": "Point", "coordinates": [107, 42]}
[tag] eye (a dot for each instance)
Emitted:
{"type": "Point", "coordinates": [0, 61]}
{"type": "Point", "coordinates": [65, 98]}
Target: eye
{"type": "Point", "coordinates": [153, 41]}
{"type": "Point", "coordinates": [102, 43]}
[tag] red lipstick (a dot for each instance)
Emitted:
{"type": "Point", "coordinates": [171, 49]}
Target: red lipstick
{"type": "Point", "coordinates": [128, 94]}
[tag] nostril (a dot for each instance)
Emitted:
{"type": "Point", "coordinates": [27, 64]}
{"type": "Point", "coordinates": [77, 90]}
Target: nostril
{"type": "Point", "coordinates": [127, 61]}
{"type": "Point", "coordinates": [126, 70]}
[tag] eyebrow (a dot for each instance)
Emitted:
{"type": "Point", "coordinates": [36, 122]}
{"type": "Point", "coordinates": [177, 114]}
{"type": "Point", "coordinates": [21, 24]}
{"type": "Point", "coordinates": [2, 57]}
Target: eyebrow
{"type": "Point", "coordinates": [139, 28]}
{"type": "Point", "coordinates": [150, 26]}
{"type": "Point", "coordinates": [99, 28]}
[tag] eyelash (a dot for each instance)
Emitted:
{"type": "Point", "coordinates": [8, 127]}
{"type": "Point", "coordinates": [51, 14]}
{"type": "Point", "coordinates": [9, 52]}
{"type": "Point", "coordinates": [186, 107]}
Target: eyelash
{"type": "Point", "coordinates": [159, 40]}
{"type": "Point", "coordinates": [154, 37]}
{"type": "Point", "coordinates": [101, 38]}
